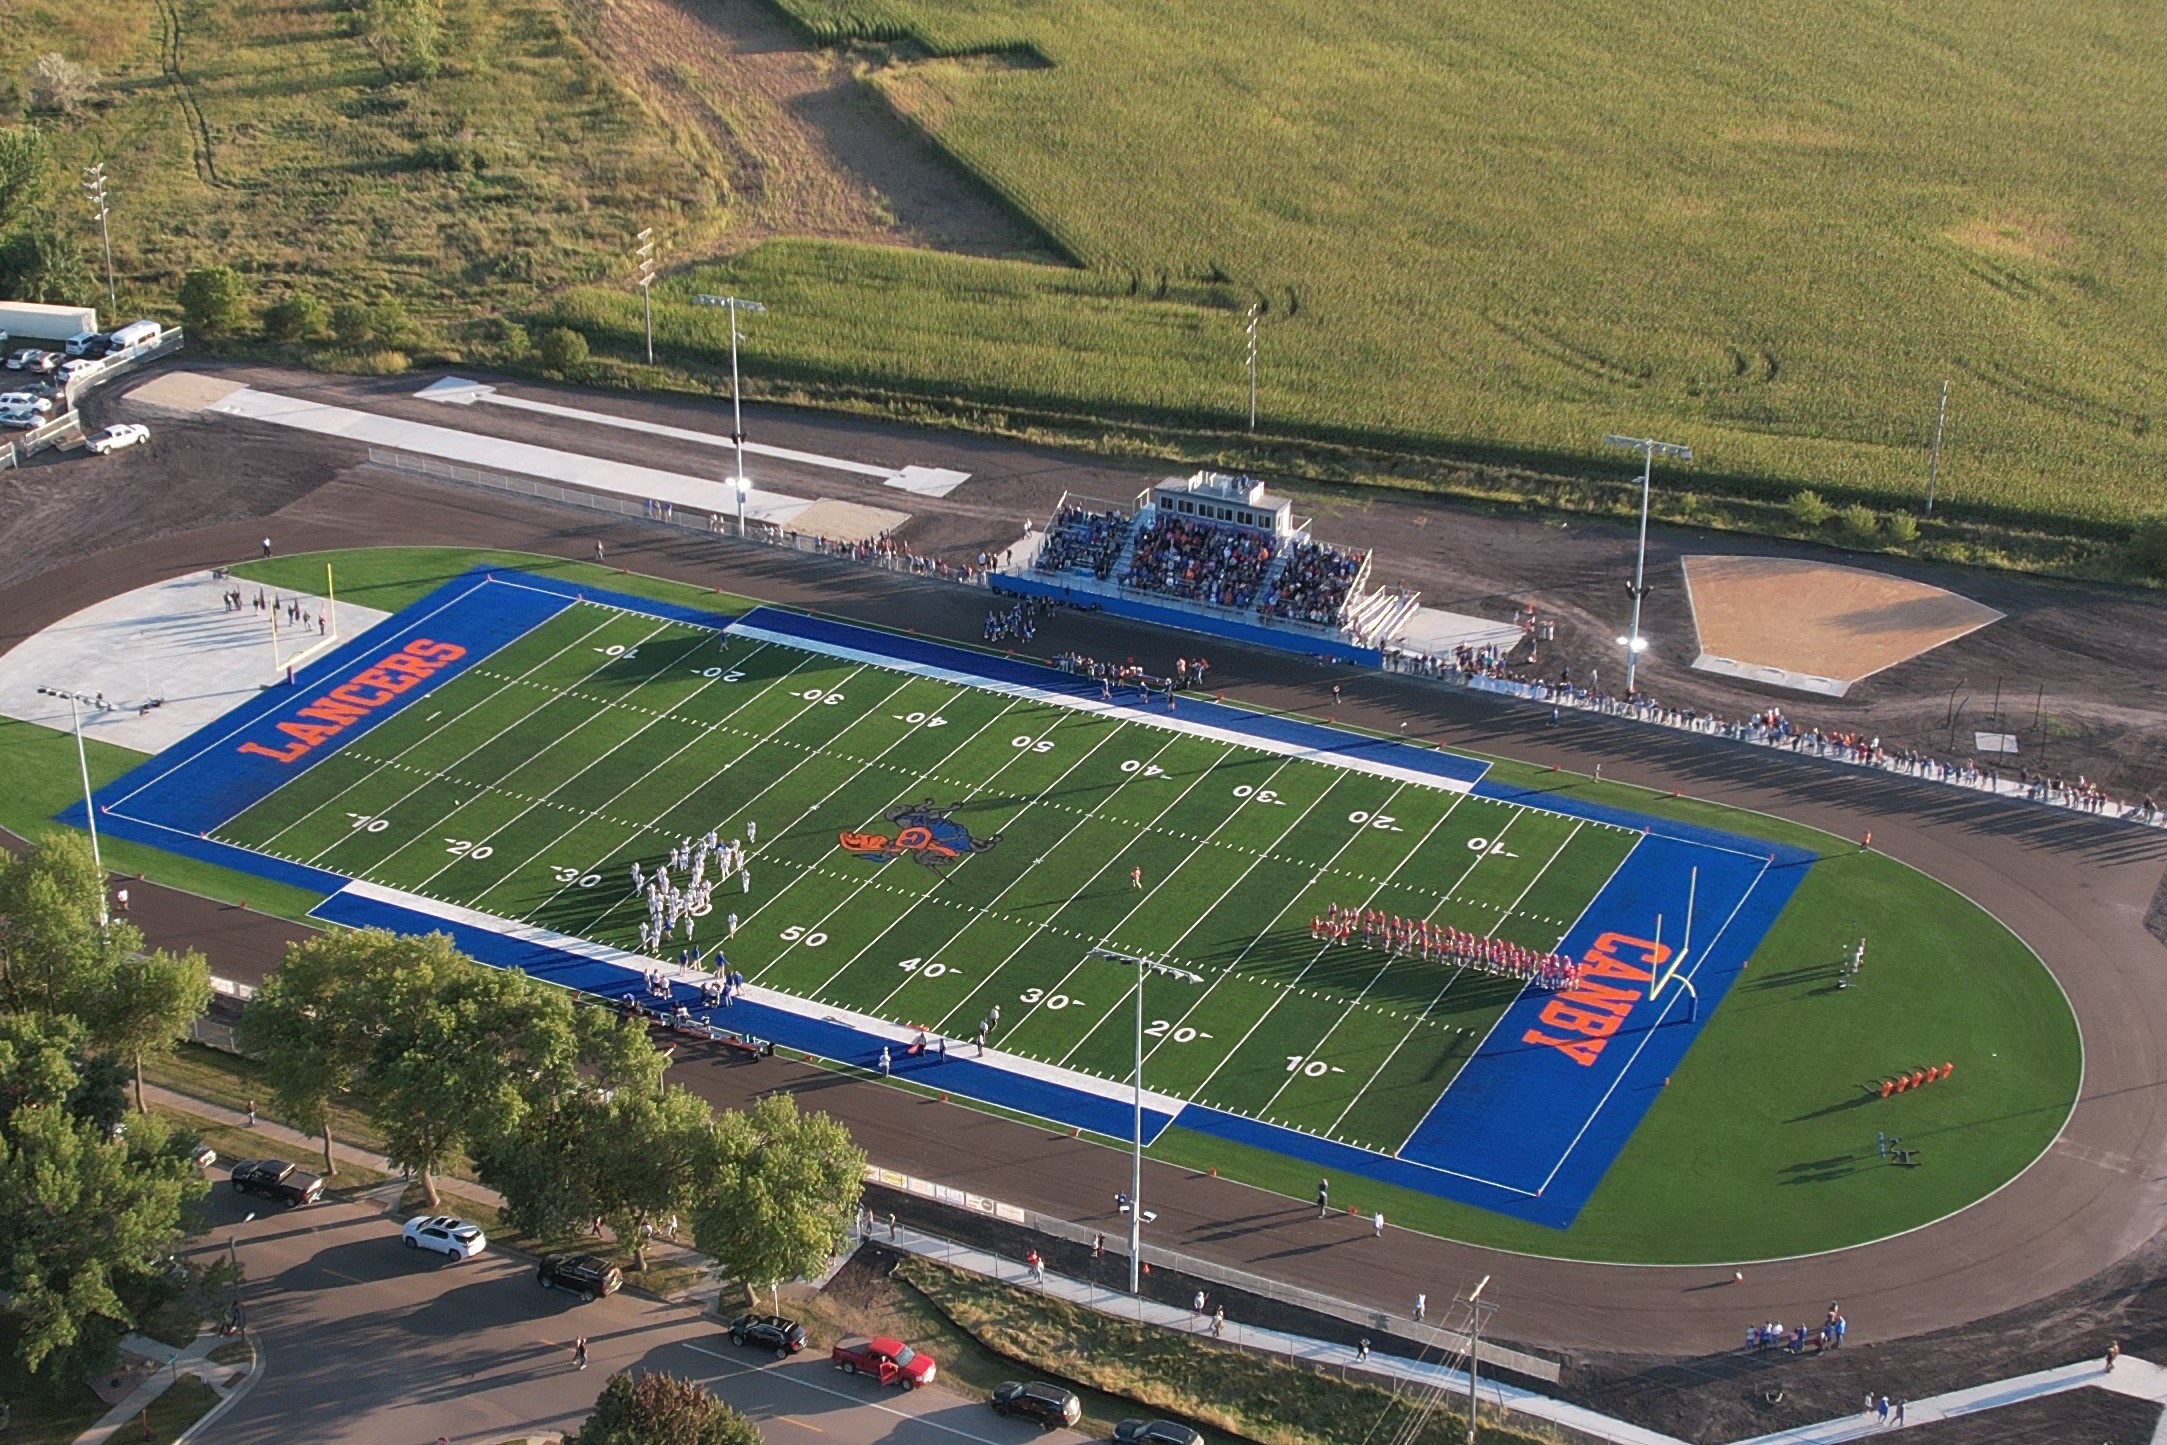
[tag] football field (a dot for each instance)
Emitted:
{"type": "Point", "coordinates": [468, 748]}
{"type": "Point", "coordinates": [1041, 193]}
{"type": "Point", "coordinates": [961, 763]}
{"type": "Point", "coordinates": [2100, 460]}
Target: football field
{"type": "Point", "coordinates": [527, 787]}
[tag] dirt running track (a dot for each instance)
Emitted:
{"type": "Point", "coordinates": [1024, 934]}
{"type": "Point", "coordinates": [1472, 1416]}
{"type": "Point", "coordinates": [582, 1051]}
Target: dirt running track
{"type": "Point", "coordinates": [2077, 889]}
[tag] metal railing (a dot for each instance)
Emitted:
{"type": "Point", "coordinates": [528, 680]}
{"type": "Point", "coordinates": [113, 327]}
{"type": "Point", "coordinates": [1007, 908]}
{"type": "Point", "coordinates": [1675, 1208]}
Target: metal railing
{"type": "Point", "coordinates": [51, 433]}
{"type": "Point", "coordinates": [115, 367]}
{"type": "Point", "coordinates": [8, 460]}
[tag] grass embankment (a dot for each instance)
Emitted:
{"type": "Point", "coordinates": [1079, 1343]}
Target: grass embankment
{"type": "Point", "coordinates": [39, 1414]}
{"type": "Point", "coordinates": [388, 578]}
{"type": "Point", "coordinates": [1165, 1372]}
{"type": "Point", "coordinates": [185, 1401]}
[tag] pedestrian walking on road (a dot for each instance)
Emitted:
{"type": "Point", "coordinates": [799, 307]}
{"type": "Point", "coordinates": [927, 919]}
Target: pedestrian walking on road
{"type": "Point", "coordinates": [1881, 1408]}
{"type": "Point", "coordinates": [1196, 1306]}
{"type": "Point", "coordinates": [1866, 841]}
{"type": "Point", "coordinates": [598, 550]}
{"type": "Point", "coordinates": [1036, 1262]}
{"type": "Point", "coordinates": [1868, 1407]}
{"type": "Point", "coordinates": [1422, 1307]}
{"type": "Point", "coordinates": [885, 1062]}
{"type": "Point", "coordinates": [251, 1107]}
{"type": "Point", "coordinates": [1376, 1224]}
{"type": "Point", "coordinates": [1218, 1322]}
{"type": "Point", "coordinates": [1899, 1415]}
{"type": "Point", "coordinates": [2114, 1352]}
{"type": "Point", "coordinates": [1324, 1196]}
{"type": "Point", "coordinates": [267, 546]}
{"type": "Point", "coordinates": [120, 899]}
{"type": "Point", "coordinates": [1361, 1351]}
{"type": "Point", "coordinates": [579, 1352]}
{"type": "Point", "coordinates": [1335, 694]}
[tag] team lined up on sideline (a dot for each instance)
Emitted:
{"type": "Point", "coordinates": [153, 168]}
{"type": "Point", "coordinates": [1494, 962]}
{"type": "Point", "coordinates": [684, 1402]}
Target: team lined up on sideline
{"type": "Point", "coordinates": [1441, 943]}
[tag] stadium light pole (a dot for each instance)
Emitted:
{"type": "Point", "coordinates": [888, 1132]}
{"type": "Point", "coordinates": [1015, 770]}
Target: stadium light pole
{"type": "Point", "coordinates": [1256, 313]}
{"type": "Point", "coordinates": [1648, 447]}
{"type": "Point", "coordinates": [82, 763]}
{"type": "Point", "coordinates": [643, 276]}
{"type": "Point", "coordinates": [1477, 1307]}
{"type": "Point", "coordinates": [1933, 458]}
{"type": "Point", "coordinates": [94, 188]}
{"type": "Point", "coordinates": [1144, 968]}
{"type": "Point", "coordinates": [735, 304]}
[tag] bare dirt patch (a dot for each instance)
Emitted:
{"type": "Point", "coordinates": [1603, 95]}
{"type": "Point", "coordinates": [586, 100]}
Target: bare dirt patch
{"type": "Point", "coordinates": [1816, 620]}
{"type": "Point", "coordinates": [806, 148]}
{"type": "Point", "coordinates": [2020, 235]}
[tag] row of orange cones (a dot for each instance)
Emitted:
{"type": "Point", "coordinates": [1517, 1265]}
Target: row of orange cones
{"type": "Point", "coordinates": [1916, 1079]}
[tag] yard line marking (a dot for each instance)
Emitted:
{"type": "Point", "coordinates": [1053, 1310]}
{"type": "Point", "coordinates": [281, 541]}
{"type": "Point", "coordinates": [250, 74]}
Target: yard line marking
{"type": "Point", "coordinates": [1500, 1019]}
{"type": "Point", "coordinates": [384, 863]}
{"type": "Point", "coordinates": [699, 736]}
{"type": "Point", "coordinates": [1504, 917]}
{"type": "Point", "coordinates": [986, 909]}
{"type": "Point", "coordinates": [1173, 950]}
{"type": "Point", "coordinates": [438, 731]}
{"type": "Point", "coordinates": [871, 877]}
{"type": "Point", "coordinates": [1042, 924]}
{"type": "Point", "coordinates": [603, 708]}
{"type": "Point", "coordinates": [1349, 1010]}
{"type": "Point", "coordinates": [1358, 830]}
{"type": "Point", "coordinates": [482, 700]}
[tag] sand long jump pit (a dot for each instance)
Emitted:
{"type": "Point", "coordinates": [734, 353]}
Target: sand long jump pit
{"type": "Point", "coordinates": [1815, 626]}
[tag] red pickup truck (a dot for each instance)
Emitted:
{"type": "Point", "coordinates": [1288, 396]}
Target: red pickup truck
{"type": "Point", "coordinates": [888, 1361]}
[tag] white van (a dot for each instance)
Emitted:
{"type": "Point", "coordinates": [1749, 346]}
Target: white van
{"type": "Point", "coordinates": [136, 333]}
{"type": "Point", "coordinates": [74, 345]}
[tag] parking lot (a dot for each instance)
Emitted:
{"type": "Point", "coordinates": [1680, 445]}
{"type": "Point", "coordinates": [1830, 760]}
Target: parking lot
{"type": "Point", "coordinates": [369, 1343]}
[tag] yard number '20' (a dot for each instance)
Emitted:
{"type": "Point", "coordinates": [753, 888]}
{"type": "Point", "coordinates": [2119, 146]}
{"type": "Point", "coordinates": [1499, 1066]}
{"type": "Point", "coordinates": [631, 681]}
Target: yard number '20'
{"type": "Point", "coordinates": [468, 848]}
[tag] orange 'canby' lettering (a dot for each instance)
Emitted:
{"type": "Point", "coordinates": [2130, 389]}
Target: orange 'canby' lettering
{"type": "Point", "coordinates": [354, 699]}
{"type": "Point", "coordinates": [1586, 1016]}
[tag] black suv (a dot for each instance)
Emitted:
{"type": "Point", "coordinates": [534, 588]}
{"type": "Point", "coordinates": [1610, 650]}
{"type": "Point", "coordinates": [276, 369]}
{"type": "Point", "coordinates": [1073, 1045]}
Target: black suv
{"type": "Point", "coordinates": [276, 1179]}
{"type": "Point", "coordinates": [769, 1332]}
{"type": "Point", "coordinates": [587, 1275]}
{"type": "Point", "coordinates": [1050, 1405]}
{"type": "Point", "coordinates": [1155, 1432]}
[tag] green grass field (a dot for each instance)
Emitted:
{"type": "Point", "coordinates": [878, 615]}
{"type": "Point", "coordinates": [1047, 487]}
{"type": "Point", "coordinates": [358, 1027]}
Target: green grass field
{"type": "Point", "coordinates": [1765, 232]}
{"type": "Point", "coordinates": [1766, 1129]}
{"type": "Point", "coordinates": [529, 785]}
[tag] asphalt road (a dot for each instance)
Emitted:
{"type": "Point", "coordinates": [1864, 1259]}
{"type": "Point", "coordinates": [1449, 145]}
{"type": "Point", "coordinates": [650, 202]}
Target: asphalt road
{"type": "Point", "coordinates": [2076, 888]}
{"type": "Point", "coordinates": [365, 1342]}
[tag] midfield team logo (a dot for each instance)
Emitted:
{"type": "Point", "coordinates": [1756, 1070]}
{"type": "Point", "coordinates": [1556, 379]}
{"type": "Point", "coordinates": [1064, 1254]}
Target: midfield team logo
{"type": "Point", "coordinates": [924, 832]}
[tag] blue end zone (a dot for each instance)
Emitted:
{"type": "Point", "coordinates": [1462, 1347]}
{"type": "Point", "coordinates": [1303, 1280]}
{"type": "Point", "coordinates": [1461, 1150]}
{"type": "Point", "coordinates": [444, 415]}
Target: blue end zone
{"type": "Point", "coordinates": [1526, 1129]}
{"type": "Point", "coordinates": [957, 1074]}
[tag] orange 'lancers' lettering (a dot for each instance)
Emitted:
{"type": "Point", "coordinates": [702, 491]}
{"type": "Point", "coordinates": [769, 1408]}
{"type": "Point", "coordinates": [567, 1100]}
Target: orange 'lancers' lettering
{"type": "Point", "coordinates": [354, 699]}
{"type": "Point", "coordinates": [1587, 1015]}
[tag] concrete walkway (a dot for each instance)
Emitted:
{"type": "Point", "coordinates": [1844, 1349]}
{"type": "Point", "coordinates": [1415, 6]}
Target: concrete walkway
{"type": "Point", "coordinates": [2137, 1378]}
{"type": "Point", "coordinates": [228, 1382]}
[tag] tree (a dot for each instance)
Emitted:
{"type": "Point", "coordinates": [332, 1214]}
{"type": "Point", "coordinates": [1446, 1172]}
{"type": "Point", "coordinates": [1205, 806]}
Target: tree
{"type": "Point", "coordinates": [83, 1214]}
{"type": "Point", "coordinates": [309, 1023]}
{"type": "Point", "coordinates": [785, 1187]}
{"type": "Point", "coordinates": [24, 162]}
{"type": "Point", "coordinates": [2148, 546]}
{"type": "Point", "coordinates": [388, 325]}
{"type": "Point", "coordinates": [403, 36]}
{"type": "Point", "coordinates": [646, 1155]}
{"type": "Point", "coordinates": [213, 299]}
{"type": "Point", "coordinates": [54, 957]}
{"type": "Point", "coordinates": [659, 1409]}
{"type": "Point", "coordinates": [351, 322]}
{"type": "Point", "coordinates": [58, 83]}
{"type": "Point", "coordinates": [40, 263]}
{"type": "Point", "coordinates": [1808, 510]}
{"type": "Point", "coordinates": [149, 1001]}
{"type": "Point", "coordinates": [293, 318]}
{"type": "Point", "coordinates": [561, 349]}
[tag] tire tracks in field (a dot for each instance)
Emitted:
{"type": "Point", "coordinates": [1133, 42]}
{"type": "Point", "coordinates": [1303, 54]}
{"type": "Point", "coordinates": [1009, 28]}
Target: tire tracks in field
{"type": "Point", "coordinates": [171, 33]}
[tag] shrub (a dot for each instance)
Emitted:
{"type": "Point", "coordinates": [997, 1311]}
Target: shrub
{"type": "Point", "coordinates": [42, 264]}
{"type": "Point", "coordinates": [561, 349]}
{"type": "Point", "coordinates": [213, 299]}
{"type": "Point", "coordinates": [659, 1409]}
{"type": "Point", "coordinates": [2148, 546]}
{"type": "Point", "coordinates": [351, 322]}
{"type": "Point", "coordinates": [1903, 528]}
{"type": "Point", "coordinates": [1859, 522]}
{"type": "Point", "coordinates": [58, 83]}
{"type": "Point", "coordinates": [294, 318]}
{"type": "Point", "coordinates": [1808, 510]}
{"type": "Point", "coordinates": [388, 326]}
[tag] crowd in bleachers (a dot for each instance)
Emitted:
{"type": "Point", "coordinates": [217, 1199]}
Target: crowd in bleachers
{"type": "Point", "coordinates": [1200, 561]}
{"type": "Point", "coordinates": [1078, 540]}
{"type": "Point", "coordinates": [1313, 584]}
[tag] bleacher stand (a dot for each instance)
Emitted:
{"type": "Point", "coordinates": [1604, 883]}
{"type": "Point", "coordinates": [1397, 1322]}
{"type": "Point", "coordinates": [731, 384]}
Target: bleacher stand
{"type": "Point", "coordinates": [1200, 561]}
{"type": "Point", "coordinates": [1079, 540]}
{"type": "Point", "coordinates": [1312, 586]}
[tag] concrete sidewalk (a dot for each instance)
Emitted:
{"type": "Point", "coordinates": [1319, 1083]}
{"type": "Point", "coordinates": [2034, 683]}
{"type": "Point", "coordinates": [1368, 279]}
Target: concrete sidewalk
{"type": "Point", "coordinates": [228, 1382]}
{"type": "Point", "coordinates": [2139, 1379]}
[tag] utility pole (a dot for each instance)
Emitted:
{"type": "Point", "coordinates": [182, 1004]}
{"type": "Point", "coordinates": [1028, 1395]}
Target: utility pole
{"type": "Point", "coordinates": [1477, 1309]}
{"type": "Point", "coordinates": [644, 277]}
{"type": "Point", "coordinates": [77, 700]}
{"type": "Point", "coordinates": [1933, 458]}
{"type": "Point", "coordinates": [1256, 313]}
{"type": "Point", "coordinates": [94, 188]}
{"type": "Point", "coordinates": [1633, 643]}
{"type": "Point", "coordinates": [735, 304]}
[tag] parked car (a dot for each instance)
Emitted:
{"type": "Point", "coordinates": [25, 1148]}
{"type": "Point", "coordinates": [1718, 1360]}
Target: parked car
{"type": "Point", "coordinates": [1155, 1432]}
{"type": "Point", "coordinates": [71, 372]}
{"type": "Point", "coordinates": [120, 434]}
{"type": "Point", "coordinates": [202, 1155]}
{"type": "Point", "coordinates": [768, 1332]}
{"type": "Point", "coordinates": [889, 1361]}
{"type": "Point", "coordinates": [1050, 1405]}
{"type": "Point", "coordinates": [135, 333]}
{"type": "Point", "coordinates": [443, 1234]}
{"type": "Point", "coordinates": [18, 360]}
{"type": "Point", "coordinates": [42, 361]}
{"type": "Point", "coordinates": [587, 1275]}
{"type": "Point", "coordinates": [276, 1179]}
{"type": "Point", "coordinates": [24, 408]}
{"type": "Point", "coordinates": [76, 345]}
